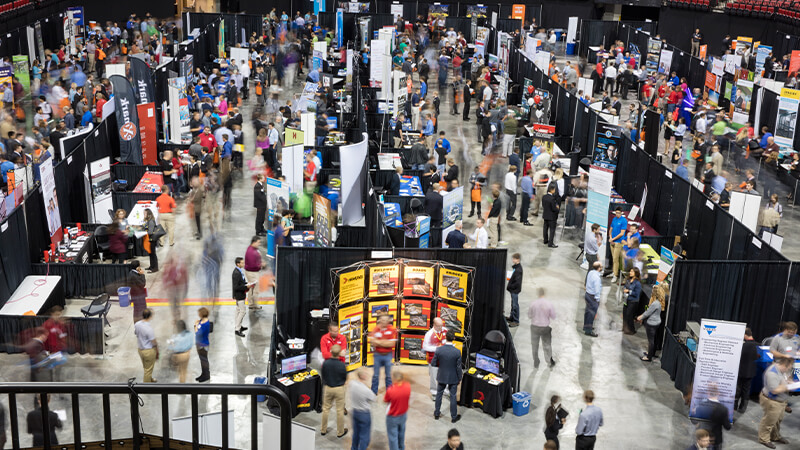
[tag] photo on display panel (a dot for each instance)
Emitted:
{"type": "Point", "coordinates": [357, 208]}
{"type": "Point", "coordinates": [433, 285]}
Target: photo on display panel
{"type": "Point", "coordinates": [448, 314]}
{"type": "Point", "coordinates": [412, 344]}
{"type": "Point", "coordinates": [418, 320]}
{"type": "Point", "coordinates": [418, 355]}
{"type": "Point", "coordinates": [421, 289]}
{"type": "Point", "coordinates": [413, 308]}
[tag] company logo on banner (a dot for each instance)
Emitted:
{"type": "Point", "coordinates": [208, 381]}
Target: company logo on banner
{"type": "Point", "coordinates": [717, 367]}
{"type": "Point", "coordinates": [142, 81]}
{"type": "Point", "coordinates": [148, 132]}
{"type": "Point", "coordinates": [787, 117]}
{"type": "Point", "coordinates": [127, 120]}
{"type": "Point", "coordinates": [607, 146]}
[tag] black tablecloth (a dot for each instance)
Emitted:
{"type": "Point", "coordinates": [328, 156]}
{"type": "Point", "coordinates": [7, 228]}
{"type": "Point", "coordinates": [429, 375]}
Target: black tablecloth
{"type": "Point", "coordinates": [304, 396]}
{"type": "Point", "coordinates": [478, 393]}
{"type": "Point", "coordinates": [677, 362]}
{"type": "Point", "coordinates": [85, 280]}
{"type": "Point", "coordinates": [85, 333]}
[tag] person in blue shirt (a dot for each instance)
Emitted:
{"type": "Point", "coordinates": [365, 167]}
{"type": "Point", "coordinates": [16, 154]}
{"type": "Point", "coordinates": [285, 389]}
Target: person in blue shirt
{"type": "Point", "coordinates": [5, 166]}
{"type": "Point", "coordinates": [632, 234]}
{"type": "Point", "coordinates": [683, 170]}
{"type": "Point", "coordinates": [428, 130]}
{"type": "Point", "coordinates": [765, 134]}
{"type": "Point", "coordinates": [619, 226]}
{"type": "Point", "coordinates": [442, 148]}
{"type": "Point", "coordinates": [202, 328]}
{"type": "Point", "coordinates": [180, 345]}
{"type": "Point", "coordinates": [227, 147]}
{"type": "Point", "coordinates": [423, 88]}
{"type": "Point", "coordinates": [526, 184]}
{"type": "Point", "coordinates": [87, 118]}
{"type": "Point", "coordinates": [313, 76]}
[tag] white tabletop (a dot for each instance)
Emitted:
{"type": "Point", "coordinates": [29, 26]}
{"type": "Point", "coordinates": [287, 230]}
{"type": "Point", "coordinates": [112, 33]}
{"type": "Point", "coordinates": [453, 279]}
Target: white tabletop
{"type": "Point", "coordinates": [31, 295]}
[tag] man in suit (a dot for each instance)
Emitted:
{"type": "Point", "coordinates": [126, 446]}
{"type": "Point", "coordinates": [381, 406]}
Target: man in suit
{"type": "Point", "coordinates": [467, 98]}
{"type": "Point", "coordinates": [240, 288]}
{"type": "Point", "coordinates": [194, 168]}
{"type": "Point", "coordinates": [434, 204]}
{"type": "Point", "coordinates": [550, 208]}
{"type": "Point", "coordinates": [747, 370]}
{"type": "Point", "coordinates": [394, 185]}
{"type": "Point", "coordinates": [448, 359]}
{"type": "Point", "coordinates": [260, 204]}
{"type": "Point", "coordinates": [716, 415]}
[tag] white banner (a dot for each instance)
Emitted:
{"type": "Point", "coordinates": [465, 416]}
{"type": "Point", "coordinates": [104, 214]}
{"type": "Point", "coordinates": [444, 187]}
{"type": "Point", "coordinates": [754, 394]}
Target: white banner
{"type": "Point", "coordinates": [292, 159]}
{"type": "Point", "coordinates": [787, 117]}
{"type": "Point", "coordinates": [100, 175]}
{"type": "Point", "coordinates": [572, 30]}
{"type": "Point", "coordinates": [48, 179]}
{"type": "Point", "coordinates": [277, 197]}
{"type": "Point", "coordinates": [396, 10]}
{"type": "Point", "coordinates": [665, 62]}
{"type": "Point", "coordinates": [352, 167]}
{"type": "Point", "coordinates": [480, 41]}
{"type": "Point", "coordinates": [717, 367]}
{"type": "Point", "coordinates": [377, 55]}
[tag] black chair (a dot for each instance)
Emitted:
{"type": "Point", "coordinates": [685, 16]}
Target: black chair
{"type": "Point", "coordinates": [416, 206]}
{"type": "Point", "coordinates": [493, 345]}
{"type": "Point", "coordinates": [101, 240]}
{"type": "Point", "coordinates": [99, 307]}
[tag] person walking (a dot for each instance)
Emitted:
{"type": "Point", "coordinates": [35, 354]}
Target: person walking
{"type": "Point", "coordinates": [715, 415]}
{"type": "Point", "coordinates": [632, 290]}
{"type": "Point", "coordinates": [448, 359]}
{"type": "Point", "coordinates": [652, 319]}
{"type": "Point", "coordinates": [334, 376]}
{"type": "Point", "coordinates": [594, 288]}
{"type": "Point", "coordinates": [148, 346]}
{"type": "Point", "coordinates": [747, 370]}
{"type": "Point", "coordinates": [166, 205]}
{"type": "Point", "coordinates": [554, 419]}
{"type": "Point", "coordinates": [260, 204]}
{"type": "Point", "coordinates": [383, 339]}
{"type": "Point", "coordinates": [434, 338]}
{"type": "Point", "coordinates": [180, 344]}
{"type": "Point", "coordinates": [526, 196]}
{"type": "Point", "coordinates": [550, 208]}
{"type": "Point", "coordinates": [589, 422]}
{"type": "Point", "coordinates": [240, 288]}
{"type": "Point", "coordinates": [541, 312]}
{"type": "Point", "coordinates": [35, 423]}
{"type": "Point", "coordinates": [773, 399]}
{"type": "Point", "coordinates": [591, 244]}
{"type": "Point", "coordinates": [397, 396]}
{"type": "Point", "coordinates": [514, 287]}
{"type": "Point", "coordinates": [361, 399]}
{"type": "Point", "coordinates": [202, 328]}
{"type": "Point", "coordinates": [252, 267]}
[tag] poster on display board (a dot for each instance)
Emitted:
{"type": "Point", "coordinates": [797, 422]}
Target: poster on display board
{"type": "Point", "coordinates": [351, 286]}
{"type": "Point", "coordinates": [703, 51]}
{"type": "Point", "coordinates": [396, 10]}
{"type": "Point", "coordinates": [277, 197]}
{"type": "Point", "coordinates": [453, 203]}
{"type": "Point", "coordinates": [415, 314]}
{"type": "Point", "coordinates": [717, 367]}
{"type": "Point", "coordinates": [476, 11]}
{"type": "Point", "coordinates": [518, 12]}
{"type": "Point", "coordinates": [711, 81]}
{"type": "Point", "coordinates": [453, 284]}
{"type": "Point", "coordinates": [665, 62]}
{"type": "Point", "coordinates": [50, 196]}
{"type": "Point", "coordinates": [606, 148]}
{"type": "Point", "coordinates": [794, 63]}
{"type": "Point", "coordinates": [417, 280]}
{"type": "Point", "coordinates": [22, 73]}
{"type": "Point", "coordinates": [653, 54]}
{"type": "Point", "coordinates": [100, 173]}
{"type": "Point", "coordinates": [732, 62]}
{"type": "Point", "coordinates": [323, 222]}
{"type": "Point", "coordinates": [411, 351]}
{"type": "Point", "coordinates": [762, 52]}
{"type": "Point", "coordinates": [454, 317]}
{"type": "Point", "coordinates": [744, 45]}
{"type": "Point", "coordinates": [179, 116]}
{"type": "Point", "coordinates": [741, 100]}
{"type": "Point", "coordinates": [351, 326]}
{"type": "Point", "coordinates": [665, 264]}
{"type": "Point", "coordinates": [718, 67]}
{"type": "Point", "coordinates": [384, 280]}
{"type": "Point", "coordinates": [480, 41]}
{"type": "Point", "coordinates": [787, 117]}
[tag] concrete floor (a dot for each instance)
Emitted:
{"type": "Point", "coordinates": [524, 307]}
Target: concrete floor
{"type": "Point", "coordinates": [642, 408]}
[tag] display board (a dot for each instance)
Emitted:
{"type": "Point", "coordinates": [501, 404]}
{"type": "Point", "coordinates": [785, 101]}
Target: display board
{"type": "Point", "coordinates": [452, 285]}
{"type": "Point", "coordinates": [351, 326]}
{"type": "Point", "coordinates": [351, 286]}
{"type": "Point", "coordinates": [415, 314]}
{"type": "Point", "coordinates": [454, 317]}
{"type": "Point", "coordinates": [383, 281]}
{"type": "Point", "coordinates": [418, 281]}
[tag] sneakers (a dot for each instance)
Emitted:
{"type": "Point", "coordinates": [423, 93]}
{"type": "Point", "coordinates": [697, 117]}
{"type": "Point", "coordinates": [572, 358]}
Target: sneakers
{"type": "Point", "coordinates": [614, 279]}
{"type": "Point", "coordinates": [590, 333]}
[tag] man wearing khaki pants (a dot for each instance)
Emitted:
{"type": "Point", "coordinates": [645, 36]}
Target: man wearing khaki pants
{"type": "Point", "coordinates": [334, 375]}
{"type": "Point", "coordinates": [252, 266]}
{"type": "Point", "coordinates": [619, 226]}
{"type": "Point", "coordinates": [773, 399]}
{"type": "Point", "coordinates": [148, 346]}
{"type": "Point", "coordinates": [166, 218]}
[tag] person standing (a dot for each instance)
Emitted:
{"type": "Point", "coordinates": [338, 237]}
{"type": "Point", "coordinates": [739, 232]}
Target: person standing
{"type": "Point", "coordinates": [334, 375]}
{"type": "Point", "coordinates": [434, 338]}
{"type": "Point", "coordinates": [361, 399]}
{"type": "Point", "coordinates": [150, 226]}
{"type": "Point", "coordinates": [202, 328]}
{"type": "Point", "coordinates": [619, 225]}
{"type": "Point", "coordinates": [331, 339]}
{"type": "Point", "coordinates": [148, 346]}
{"type": "Point", "coordinates": [696, 39]}
{"type": "Point", "coordinates": [260, 204]}
{"type": "Point", "coordinates": [591, 244]}
{"type": "Point", "coordinates": [541, 312]}
{"type": "Point", "coordinates": [180, 344]}
{"type": "Point", "coordinates": [456, 238]}
{"type": "Point", "coordinates": [594, 287]}
{"type": "Point", "coordinates": [589, 422]}
{"type": "Point", "coordinates": [397, 396]}
{"type": "Point", "coordinates": [550, 208]}
{"type": "Point", "coordinates": [240, 288]}
{"type": "Point", "coordinates": [383, 339]}
{"type": "Point", "coordinates": [773, 399]}
{"type": "Point", "coordinates": [715, 415]}
{"type": "Point", "coordinates": [166, 205]}
{"type": "Point", "coordinates": [453, 441]}
{"type": "Point", "coordinates": [554, 419]}
{"type": "Point", "coordinates": [448, 359]}
{"type": "Point", "coordinates": [480, 236]}
{"type": "Point", "coordinates": [511, 190]}
{"type": "Point", "coordinates": [747, 370]}
{"type": "Point", "coordinates": [252, 267]}
{"type": "Point", "coordinates": [652, 319]}
{"type": "Point", "coordinates": [702, 440]}
{"type": "Point", "coordinates": [632, 290]}
{"type": "Point", "coordinates": [786, 344]}
{"type": "Point", "coordinates": [526, 186]}
{"type": "Point", "coordinates": [514, 287]}
{"type": "Point", "coordinates": [467, 99]}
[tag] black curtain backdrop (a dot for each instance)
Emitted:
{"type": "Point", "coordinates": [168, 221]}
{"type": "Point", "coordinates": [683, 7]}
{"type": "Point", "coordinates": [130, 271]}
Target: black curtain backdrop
{"type": "Point", "coordinates": [71, 189]}
{"type": "Point", "coordinates": [127, 200]}
{"type": "Point", "coordinates": [14, 24]}
{"type": "Point", "coordinates": [740, 291]}
{"type": "Point", "coordinates": [36, 221]}
{"type": "Point", "coordinates": [87, 280]}
{"type": "Point", "coordinates": [15, 259]}
{"type": "Point", "coordinates": [131, 173]}
{"type": "Point", "coordinates": [234, 24]}
{"type": "Point", "coordinates": [85, 333]}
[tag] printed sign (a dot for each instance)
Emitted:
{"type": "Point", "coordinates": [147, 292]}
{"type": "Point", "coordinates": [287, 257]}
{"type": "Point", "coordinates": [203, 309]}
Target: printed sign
{"type": "Point", "coordinates": [383, 280]}
{"type": "Point", "coordinates": [453, 285]}
{"type": "Point", "coordinates": [417, 281]}
{"type": "Point", "coordinates": [351, 286]}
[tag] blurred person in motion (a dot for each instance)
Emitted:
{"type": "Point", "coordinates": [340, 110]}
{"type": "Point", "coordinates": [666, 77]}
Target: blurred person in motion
{"type": "Point", "coordinates": [240, 288]}
{"type": "Point", "coordinates": [180, 344]}
{"type": "Point", "coordinates": [58, 334]}
{"type": "Point", "coordinates": [397, 396]}
{"type": "Point", "coordinates": [253, 264]}
{"type": "Point", "coordinates": [453, 441]}
{"type": "Point", "coordinates": [175, 280]}
{"type": "Point", "coordinates": [38, 356]}
{"type": "Point", "coordinates": [147, 343]}
{"type": "Point", "coordinates": [209, 270]}
{"type": "Point", "coordinates": [361, 399]}
{"type": "Point", "coordinates": [36, 425]}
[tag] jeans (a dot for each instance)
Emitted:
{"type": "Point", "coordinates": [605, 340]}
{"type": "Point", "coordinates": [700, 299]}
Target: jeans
{"type": "Point", "coordinates": [628, 313]}
{"type": "Point", "coordinates": [418, 167]}
{"type": "Point", "coordinates": [396, 431]}
{"type": "Point", "coordinates": [320, 141]}
{"type": "Point", "coordinates": [545, 335]}
{"type": "Point", "coordinates": [514, 316]}
{"type": "Point", "coordinates": [381, 360]}
{"type": "Point", "coordinates": [512, 204]}
{"type": "Point", "coordinates": [592, 304]}
{"type": "Point", "coordinates": [651, 340]}
{"type": "Point", "coordinates": [362, 421]}
{"type": "Point", "coordinates": [453, 402]}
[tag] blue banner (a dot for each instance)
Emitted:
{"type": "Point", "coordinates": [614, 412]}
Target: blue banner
{"type": "Point", "coordinates": [339, 28]}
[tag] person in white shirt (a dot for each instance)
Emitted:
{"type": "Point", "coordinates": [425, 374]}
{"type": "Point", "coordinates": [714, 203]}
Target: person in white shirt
{"type": "Point", "coordinates": [480, 236]}
{"type": "Point", "coordinates": [511, 190]}
{"type": "Point", "coordinates": [611, 77]}
{"type": "Point", "coordinates": [487, 95]}
{"type": "Point", "coordinates": [434, 339]}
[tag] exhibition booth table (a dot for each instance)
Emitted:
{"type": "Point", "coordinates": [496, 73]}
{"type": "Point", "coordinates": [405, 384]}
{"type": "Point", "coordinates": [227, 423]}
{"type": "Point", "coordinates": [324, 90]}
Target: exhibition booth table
{"type": "Point", "coordinates": [304, 391]}
{"type": "Point", "coordinates": [492, 396]}
{"type": "Point", "coordinates": [35, 295]}
{"type": "Point", "coordinates": [765, 359]}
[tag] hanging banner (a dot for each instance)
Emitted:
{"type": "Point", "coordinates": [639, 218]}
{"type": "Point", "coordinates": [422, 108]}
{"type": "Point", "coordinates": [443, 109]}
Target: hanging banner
{"type": "Point", "coordinates": [741, 100]}
{"type": "Point", "coordinates": [37, 27]}
{"type": "Point", "coordinates": [142, 81]}
{"type": "Point", "coordinates": [794, 63]}
{"type": "Point", "coordinates": [717, 367]}
{"type": "Point", "coordinates": [353, 158]}
{"type": "Point", "coordinates": [323, 223]}
{"type": "Point", "coordinates": [130, 143]}
{"type": "Point", "coordinates": [703, 51]}
{"type": "Point", "coordinates": [518, 12]}
{"type": "Point", "coordinates": [665, 62]}
{"type": "Point", "coordinates": [22, 73]}
{"type": "Point", "coordinates": [179, 111]}
{"type": "Point", "coordinates": [100, 173]}
{"type": "Point", "coordinates": [653, 54]}
{"type": "Point", "coordinates": [339, 28]}
{"type": "Point", "coordinates": [762, 52]}
{"type": "Point", "coordinates": [48, 179]}
{"type": "Point", "coordinates": [148, 133]}
{"type": "Point", "coordinates": [277, 197]}
{"type": "Point", "coordinates": [221, 39]}
{"type": "Point", "coordinates": [787, 117]}
{"type": "Point", "coordinates": [480, 41]}
{"type": "Point", "coordinates": [69, 33]}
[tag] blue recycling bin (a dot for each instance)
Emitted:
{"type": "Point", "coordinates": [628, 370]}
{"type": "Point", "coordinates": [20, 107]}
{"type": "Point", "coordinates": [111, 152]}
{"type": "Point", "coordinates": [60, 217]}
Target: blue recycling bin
{"type": "Point", "coordinates": [124, 294]}
{"type": "Point", "coordinates": [521, 402]}
{"type": "Point", "coordinates": [570, 48]}
{"type": "Point", "coordinates": [260, 380]}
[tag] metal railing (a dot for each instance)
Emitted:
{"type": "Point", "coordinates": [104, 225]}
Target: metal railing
{"type": "Point", "coordinates": [133, 390]}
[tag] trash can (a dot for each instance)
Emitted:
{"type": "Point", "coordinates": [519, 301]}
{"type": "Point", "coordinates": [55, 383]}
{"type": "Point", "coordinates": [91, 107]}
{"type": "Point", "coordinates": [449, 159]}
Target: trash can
{"type": "Point", "coordinates": [521, 402]}
{"type": "Point", "coordinates": [124, 294]}
{"type": "Point", "coordinates": [260, 380]}
{"type": "Point", "coordinates": [570, 48]}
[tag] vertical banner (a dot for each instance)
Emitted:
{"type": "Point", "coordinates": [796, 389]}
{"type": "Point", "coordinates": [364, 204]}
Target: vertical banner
{"type": "Point", "coordinates": [179, 111]}
{"type": "Point", "coordinates": [787, 117]}
{"type": "Point", "coordinates": [794, 63]}
{"type": "Point", "coordinates": [339, 28]}
{"type": "Point", "coordinates": [30, 34]}
{"type": "Point", "coordinates": [480, 41]}
{"type": "Point", "coordinates": [130, 143]}
{"type": "Point", "coordinates": [292, 167]}
{"type": "Point", "coordinates": [396, 10]}
{"type": "Point", "coordinates": [703, 51]}
{"type": "Point", "coordinates": [717, 368]}
{"type": "Point", "coordinates": [741, 100]}
{"type": "Point", "coordinates": [322, 221]}
{"type": "Point", "coordinates": [653, 54]}
{"type": "Point", "coordinates": [400, 91]}
{"type": "Point", "coordinates": [277, 197]}
{"type": "Point", "coordinates": [349, 67]}
{"type": "Point", "coordinates": [606, 146]}
{"type": "Point", "coordinates": [518, 12]}
{"type": "Point", "coordinates": [187, 68]}
{"type": "Point", "coordinates": [221, 39]}
{"type": "Point", "coordinates": [762, 52]}
{"type": "Point", "coordinates": [665, 62]}
{"type": "Point", "coordinates": [378, 51]}
{"type": "Point", "coordinates": [37, 27]}
{"type": "Point", "coordinates": [601, 177]}
{"type": "Point", "coordinates": [353, 181]}
{"type": "Point", "coordinates": [148, 133]}
{"type": "Point", "coordinates": [142, 81]}
{"type": "Point", "coordinates": [69, 33]}
{"type": "Point", "coordinates": [100, 175]}
{"type": "Point", "coordinates": [51, 200]}
{"type": "Point", "coordinates": [22, 73]}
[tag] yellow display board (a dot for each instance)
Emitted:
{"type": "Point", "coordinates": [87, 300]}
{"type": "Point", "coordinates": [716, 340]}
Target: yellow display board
{"type": "Point", "coordinates": [351, 325]}
{"type": "Point", "coordinates": [374, 309]}
{"type": "Point", "coordinates": [453, 285]}
{"type": "Point", "coordinates": [415, 314]}
{"type": "Point", "coordinates": [453, 316]}
{"type": "Point", "coordinates": [351, 286]}
{"type": "Point", "coordinates": [417, 281]}
{"type": "Point", "coordinates": [384, 280]}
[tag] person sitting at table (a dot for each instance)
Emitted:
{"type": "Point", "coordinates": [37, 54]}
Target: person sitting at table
{"type": "Point", "coordinates": [394, 184]}
{"type": "Point", "coordinates": [117, 243]}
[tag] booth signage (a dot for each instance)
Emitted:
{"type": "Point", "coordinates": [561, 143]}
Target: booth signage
{"type": "Point", "coordinates": [787, 117]}
{"type": "Point", "coordinates": [518, 12]}
{"type": "Point", "coordinates": [127, 120]}
{"type": "Point", "coordinates": [351, 286]}
{"type": "Point", "coordinates": [452, 284]}
{"type": "Point", "coordinates": [147, 131]}
{"type": "Point", "coordinates": [142, 80]}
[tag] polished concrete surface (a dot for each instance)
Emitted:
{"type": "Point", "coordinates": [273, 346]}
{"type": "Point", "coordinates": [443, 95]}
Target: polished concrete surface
{"type": "Point", "coordinates": [642, 409]}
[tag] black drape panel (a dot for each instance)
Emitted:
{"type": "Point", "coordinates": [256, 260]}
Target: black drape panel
{"type": "Point", "coordinates": [679, 206]}
{"type": "Point", "coordinates": [740, 241]}
{"type": "Point", "coordinates": [720, 240]}
{"type": "Point", "coordinates": [642, 169]}
{"type": "Point", "coordinates": [581, 125]}
{"type": "Point", "coordinates": [652, 123]}
{"type": "Point", "coordinates": [655, 173]}
{"type": "Point", "coordinates": [71, 188]}
{"type": "Point", "coordinates": [595, 33]}
{"type": "Point", "coordinates": [464, 25]}
{"type": "Point", "coordinates": [697, 73]}
{"type": "Point", "coordinates": [768, 109]}
{"type": "Point", "coordinates": [664, 209]}
{"type": "Point", "coordinates": [699, 225]}
{"type": "Point", "coordinates": [15, 259]}
{"type": "Point", "coordinates": [127, 200]}
{"type": "Point", "coordinates": [791, 304]}
{"type": "Point", "coordinates": [623, 175]}
{"type": "Point", "coordinates": [508, 25]}
{"type": "Point", "coordinates": [85, 280]}
{"type": "Point", "coordinates": [36, 221]}
{"type": "Point", "coordinates": [131, 173]}
{"type": "Point", "coordinates": [85, 333]}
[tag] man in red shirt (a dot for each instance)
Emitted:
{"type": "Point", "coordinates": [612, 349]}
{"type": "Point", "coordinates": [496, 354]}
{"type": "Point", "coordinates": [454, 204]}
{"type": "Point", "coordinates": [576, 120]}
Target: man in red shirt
{"type": "Point", "coordinates": [397, 396]}
{"type": "Point", "coordinates": [166, 205]}
{"type": "Point", "coordinates": [383, 339]}
{"type": "Point", "coordinates": [207, 140]}
{"type": "Point", "coordinates": [331, 338]}
{"type": "Point", "coordinates": [310, 171]}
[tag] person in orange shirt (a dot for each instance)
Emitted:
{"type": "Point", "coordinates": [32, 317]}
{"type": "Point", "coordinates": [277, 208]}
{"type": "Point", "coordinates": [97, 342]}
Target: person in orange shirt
{"type": "Point", "coordinates": [166, 217]}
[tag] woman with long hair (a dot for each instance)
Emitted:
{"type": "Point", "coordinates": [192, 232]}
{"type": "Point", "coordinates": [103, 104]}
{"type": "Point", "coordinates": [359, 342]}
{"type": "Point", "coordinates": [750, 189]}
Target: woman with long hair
{"type": "Point", "coordinates": [150, 226]}
{"type": "Point", "coordinates": [633, 289]}
{"type": "Point", "coordinates": [554, 418]}
{"type": "Point", "coordinates": [652, 319]}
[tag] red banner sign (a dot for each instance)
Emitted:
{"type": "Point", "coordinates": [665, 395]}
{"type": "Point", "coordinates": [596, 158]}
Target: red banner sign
{"type": "Point", "coordinates": [711, 81]}
{"type": "Point", "coordinates": [147, 131]}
